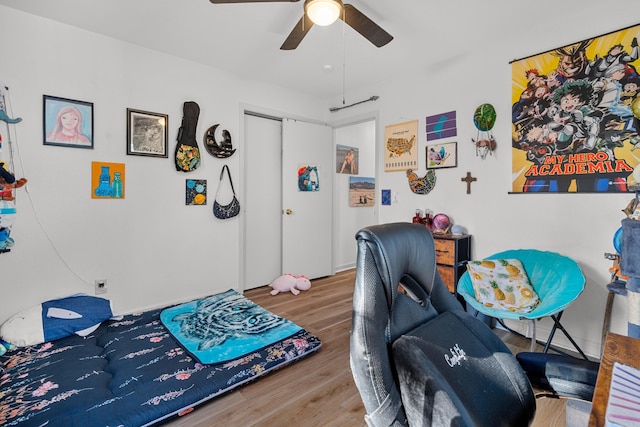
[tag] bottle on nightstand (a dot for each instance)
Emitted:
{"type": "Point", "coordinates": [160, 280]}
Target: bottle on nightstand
{"type": "Point", "coordinates": [417, 219]}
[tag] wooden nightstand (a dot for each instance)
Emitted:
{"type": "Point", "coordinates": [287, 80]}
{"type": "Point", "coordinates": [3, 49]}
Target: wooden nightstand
{"type": "Point", "coordinates": [452, 254]}
{"type": "Point", "coordinates": [617, 348]}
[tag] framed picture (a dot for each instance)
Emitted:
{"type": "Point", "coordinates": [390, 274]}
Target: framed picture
{"type": "Point", "coordinates": [442, 155]}
{"type": "Point", "coordinates": [308, 177]}
{"type": "Point", "coordinates": [107, 180]}
{"type": "Point", "coordinates": [195, 192]}
{"type": "Point", "coordinates": [67, 122]}
{"type": "Point", "coordinates": [362, 191]}
{"type": "Point", "coordinates": [147, 133]}
{"type": "Point", "coordinates": [347, 159]}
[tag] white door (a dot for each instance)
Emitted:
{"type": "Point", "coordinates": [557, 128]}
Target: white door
{"type": "Point", "coordinates": [306, 219]}
{"type": "Point", "coordinates": [263, 201]}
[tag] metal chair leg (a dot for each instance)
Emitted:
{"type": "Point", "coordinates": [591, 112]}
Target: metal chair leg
{"type": "Point", "coordinates": [558, 325]}
{"type": "Point", "coordinates": [533, 335]}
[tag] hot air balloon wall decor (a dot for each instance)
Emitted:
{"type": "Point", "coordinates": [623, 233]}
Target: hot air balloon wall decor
{"type": "Point", "coordinates": [484, 118]}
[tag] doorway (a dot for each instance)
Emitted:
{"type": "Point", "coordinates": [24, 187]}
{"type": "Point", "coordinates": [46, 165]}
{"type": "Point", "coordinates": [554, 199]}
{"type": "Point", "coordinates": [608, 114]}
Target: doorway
{"type": "Point", "coordinates": [360, 137]}
{"type": "Point", "coordinates": [286, 229]}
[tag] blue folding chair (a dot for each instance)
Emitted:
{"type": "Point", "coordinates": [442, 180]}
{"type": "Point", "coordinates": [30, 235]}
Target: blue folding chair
{"type": "Point", "coordinates": [557, 279]}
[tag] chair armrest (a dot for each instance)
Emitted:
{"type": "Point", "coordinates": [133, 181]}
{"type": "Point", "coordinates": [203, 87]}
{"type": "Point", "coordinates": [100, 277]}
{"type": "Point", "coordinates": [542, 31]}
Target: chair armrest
{"type": "Point", "coordinates": [564, 376]}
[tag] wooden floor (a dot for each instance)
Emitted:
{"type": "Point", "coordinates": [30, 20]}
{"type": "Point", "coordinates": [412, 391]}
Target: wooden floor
{"type": "Point", "coordinates": [319, 390]}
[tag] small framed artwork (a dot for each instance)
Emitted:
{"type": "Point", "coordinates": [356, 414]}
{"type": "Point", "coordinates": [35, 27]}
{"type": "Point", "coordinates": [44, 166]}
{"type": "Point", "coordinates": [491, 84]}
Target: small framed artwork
{"type": "Point", "coordinates": [442, 155]}
{"type": "Point", "coordinates": [147, 133]}
{"type": "Point", "coordinates": [107, 180]}
{"type": "Point", "coordinates": [67, 122]}
{"type": "Point", "coordinates": [362, 191]}
{"type": "Point", "coordinates": [347, 159]}
{"type": "Point", "coordinates": [386, 198]}
{"type": "Point", "coordinates": [308, 178]}
{"type": "Point", "coordinates": [195, 192]}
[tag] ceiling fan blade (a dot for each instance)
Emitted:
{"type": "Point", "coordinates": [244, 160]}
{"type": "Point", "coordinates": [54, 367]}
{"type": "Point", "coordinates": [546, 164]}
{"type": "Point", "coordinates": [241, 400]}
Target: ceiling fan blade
{"type": "Point", "coordinates": [252, 1]}
{"type": "Point", "coordinates": [365, 26]}
{"type": "Point", "coordinates": [297, 34]}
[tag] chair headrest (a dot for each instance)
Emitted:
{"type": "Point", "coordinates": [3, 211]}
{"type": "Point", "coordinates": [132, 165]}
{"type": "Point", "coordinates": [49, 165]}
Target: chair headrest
{"type": "Point", "coordinates": [401, 249]}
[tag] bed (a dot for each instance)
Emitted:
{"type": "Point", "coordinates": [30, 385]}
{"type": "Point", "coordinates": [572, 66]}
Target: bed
{"type": "Point", "coordinates": [139, 371]}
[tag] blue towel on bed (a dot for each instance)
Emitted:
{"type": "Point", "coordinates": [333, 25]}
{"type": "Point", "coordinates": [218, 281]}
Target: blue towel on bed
{"type": "Point", "coordinates": [225, 326]}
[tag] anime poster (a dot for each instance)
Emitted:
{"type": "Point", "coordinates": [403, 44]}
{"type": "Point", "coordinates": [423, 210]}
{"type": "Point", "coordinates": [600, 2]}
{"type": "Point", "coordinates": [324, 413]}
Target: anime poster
{"type": "Point", "coordinates": [573, 123]}
{"type": "Point", "coordinates": [401, 146]}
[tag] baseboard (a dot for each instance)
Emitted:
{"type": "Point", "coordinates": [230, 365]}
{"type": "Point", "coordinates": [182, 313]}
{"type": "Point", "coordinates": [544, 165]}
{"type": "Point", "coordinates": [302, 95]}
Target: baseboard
{"type": "Point", "coordinates": [344, 267]}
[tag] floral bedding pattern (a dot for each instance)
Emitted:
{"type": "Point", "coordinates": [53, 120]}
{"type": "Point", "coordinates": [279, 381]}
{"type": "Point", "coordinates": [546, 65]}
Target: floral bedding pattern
{"type": "Point", "coordinates": [130, 372]}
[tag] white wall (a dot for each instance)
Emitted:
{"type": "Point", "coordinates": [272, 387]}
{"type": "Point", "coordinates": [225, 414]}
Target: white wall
{"type": "Point", "coordinates": [153, 249]}
{"type": "Point", "coordinates": [150, 247]}
{"type": "Point", "coordinates": [578, 225]}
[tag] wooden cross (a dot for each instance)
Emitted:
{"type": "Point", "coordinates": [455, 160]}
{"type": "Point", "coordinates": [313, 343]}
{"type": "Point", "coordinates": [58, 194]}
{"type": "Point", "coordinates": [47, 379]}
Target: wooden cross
{"type": "Point", "coordinates": [468, 179]}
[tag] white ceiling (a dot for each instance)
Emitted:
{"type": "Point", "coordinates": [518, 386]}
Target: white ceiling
{"type": "Point", "coordinates": [245, 39]}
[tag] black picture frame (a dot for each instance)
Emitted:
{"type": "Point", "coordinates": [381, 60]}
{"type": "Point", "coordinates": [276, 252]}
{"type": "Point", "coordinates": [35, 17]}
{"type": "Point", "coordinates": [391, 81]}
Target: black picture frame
{"type": "Point", "coordinates": [442, 155]}
{"type": "Point", "coordinates": [67, 122]}
{"type": "Point", "coordinates": [147, 133]}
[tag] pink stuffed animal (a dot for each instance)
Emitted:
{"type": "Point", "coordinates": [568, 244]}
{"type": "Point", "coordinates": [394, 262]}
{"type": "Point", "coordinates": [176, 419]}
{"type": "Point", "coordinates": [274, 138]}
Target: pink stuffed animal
{"type": "Point", "coordinates": [289, 282]}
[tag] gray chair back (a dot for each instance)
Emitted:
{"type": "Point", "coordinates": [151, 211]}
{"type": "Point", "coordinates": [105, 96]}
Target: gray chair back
{"type": "Point", "coordinates": [388, 255]}
{"type": "Point", "coordinates": [416, 356]}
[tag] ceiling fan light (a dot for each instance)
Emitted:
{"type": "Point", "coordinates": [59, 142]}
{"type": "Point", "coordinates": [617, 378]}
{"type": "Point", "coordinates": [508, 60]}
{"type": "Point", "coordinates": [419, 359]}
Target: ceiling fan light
{"type": "Point", "coordinates": [323, 12]}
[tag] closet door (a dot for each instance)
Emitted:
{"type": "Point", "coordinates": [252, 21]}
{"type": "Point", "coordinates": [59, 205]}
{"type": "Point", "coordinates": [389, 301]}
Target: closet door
{"type": "Point", "coordinates": [307, 215]}
{"type": "Point", "coordinates": [263, 211]}
{"type": "Point", "coordinates": [286, 230]}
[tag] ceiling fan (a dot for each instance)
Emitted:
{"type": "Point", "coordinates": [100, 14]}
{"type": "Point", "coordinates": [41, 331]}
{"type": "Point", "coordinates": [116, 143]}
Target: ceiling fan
{"type": "Point", "coordinates": [325, 12]}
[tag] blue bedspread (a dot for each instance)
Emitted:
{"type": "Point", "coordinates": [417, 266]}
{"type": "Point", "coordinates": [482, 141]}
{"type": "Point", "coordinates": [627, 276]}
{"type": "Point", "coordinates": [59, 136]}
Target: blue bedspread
{"type": "Point", "coordinates": [224, 326]}
{"type": "Point", "coordinates": [127, 373]}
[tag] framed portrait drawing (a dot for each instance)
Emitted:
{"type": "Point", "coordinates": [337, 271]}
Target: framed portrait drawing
{"type": "Point", "coordinates": [67, 122]}
{"type": "Point", "coordinates": [147, 133]}
{"type": "Point", "coordinates": [442, 155]}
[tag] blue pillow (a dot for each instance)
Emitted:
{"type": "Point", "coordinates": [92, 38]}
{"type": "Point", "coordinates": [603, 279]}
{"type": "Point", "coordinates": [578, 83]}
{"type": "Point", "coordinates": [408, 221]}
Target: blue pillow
{"type": "Point", "coordinates": [78, 314]}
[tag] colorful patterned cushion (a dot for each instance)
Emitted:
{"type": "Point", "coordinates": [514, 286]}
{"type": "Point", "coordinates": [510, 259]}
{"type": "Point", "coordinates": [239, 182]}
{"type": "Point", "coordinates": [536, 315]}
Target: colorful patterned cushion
{"type": "Point", "coordinates": [502, 284]}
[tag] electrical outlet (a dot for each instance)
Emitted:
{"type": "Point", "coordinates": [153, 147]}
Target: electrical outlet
{"type": "Point", "coordinates": [101, 286]}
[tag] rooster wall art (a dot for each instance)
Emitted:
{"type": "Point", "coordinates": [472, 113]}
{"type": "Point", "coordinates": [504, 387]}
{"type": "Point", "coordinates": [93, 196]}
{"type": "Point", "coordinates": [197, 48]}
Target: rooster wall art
{"type": "Point", "coordinates": [421, 185]}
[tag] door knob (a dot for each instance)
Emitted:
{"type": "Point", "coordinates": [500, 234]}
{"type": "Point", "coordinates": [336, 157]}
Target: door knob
{"type": "Point", "coordinates": [288, 211]}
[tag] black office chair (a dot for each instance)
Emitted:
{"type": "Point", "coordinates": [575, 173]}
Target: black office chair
{"type": "Point", "coordinates": [416, 357]}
